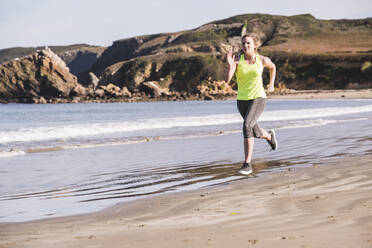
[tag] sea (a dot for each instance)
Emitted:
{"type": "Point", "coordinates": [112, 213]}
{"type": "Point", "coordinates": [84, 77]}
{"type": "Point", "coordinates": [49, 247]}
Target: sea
{"type": "Point", "coordinates": [67, 159]}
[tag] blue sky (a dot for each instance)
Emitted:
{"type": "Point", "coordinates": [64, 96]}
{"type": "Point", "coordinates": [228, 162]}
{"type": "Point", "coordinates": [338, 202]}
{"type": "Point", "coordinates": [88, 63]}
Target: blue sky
{"type": "Point", "coordinates": [100, 22]}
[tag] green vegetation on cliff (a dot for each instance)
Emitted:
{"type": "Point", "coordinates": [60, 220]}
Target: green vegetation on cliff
{"type": "Point", "coordinates": [174, 71]}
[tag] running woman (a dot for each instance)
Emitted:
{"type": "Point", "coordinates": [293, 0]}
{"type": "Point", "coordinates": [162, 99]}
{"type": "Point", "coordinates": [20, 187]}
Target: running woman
{"type": "Point", "coordinates": [251, 98]}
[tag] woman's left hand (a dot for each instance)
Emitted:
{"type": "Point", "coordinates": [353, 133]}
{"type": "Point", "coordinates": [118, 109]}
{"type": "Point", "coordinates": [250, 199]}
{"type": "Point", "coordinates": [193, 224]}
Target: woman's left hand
{"type": "Point", "coordinates": [270, 88]}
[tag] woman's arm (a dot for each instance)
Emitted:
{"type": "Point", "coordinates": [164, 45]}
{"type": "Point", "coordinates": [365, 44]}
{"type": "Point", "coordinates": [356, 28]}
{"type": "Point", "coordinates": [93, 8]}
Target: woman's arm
{"type": "Point", "coordinates": [231, 66]}
{"type": "Point", "coordinates": [266, 62]}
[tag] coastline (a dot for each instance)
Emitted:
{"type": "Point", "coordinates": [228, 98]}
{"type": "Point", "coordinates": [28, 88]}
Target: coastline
{"type": "Point", "coordinates": [325, 205]}
{"type": "Point", "coordinates": [280, 94]}
{"type": "Point", "coordinates": [324, 94]}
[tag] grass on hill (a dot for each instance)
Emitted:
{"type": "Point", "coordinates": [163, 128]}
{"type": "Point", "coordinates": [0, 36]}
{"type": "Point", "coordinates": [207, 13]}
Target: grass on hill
{"type": "Point", "coordinates": [326, 43]}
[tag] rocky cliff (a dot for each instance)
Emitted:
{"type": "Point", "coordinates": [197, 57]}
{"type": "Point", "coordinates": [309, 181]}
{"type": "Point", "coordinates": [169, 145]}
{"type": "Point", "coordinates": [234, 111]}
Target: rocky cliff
{"type": "Point", "coordinates": [79, 57]}
{"type": "Point", "coordinates": [36, 78]}
{"type": "Point", "coordinates": [309, 54]}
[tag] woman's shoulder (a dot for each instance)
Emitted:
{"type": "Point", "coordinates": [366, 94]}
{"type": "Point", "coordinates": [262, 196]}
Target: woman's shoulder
{"type": "Point", "coordinates": [264, 59]}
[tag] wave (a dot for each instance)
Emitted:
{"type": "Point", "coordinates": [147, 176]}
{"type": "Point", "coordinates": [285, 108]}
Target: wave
{"type": "Point", "coordinates": [63, 132]}
{"type": "Point", "coordinates": [313, 113]}
{"type": "Point", "coordinates": [316, 122]}
{"type": "Point", "coordinates": [126, 141]}
{"type": "Point", "coordinates": [11, 153]}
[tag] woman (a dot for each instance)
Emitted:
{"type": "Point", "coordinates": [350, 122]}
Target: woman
{"type": "Point", "coordinates": [251, 99]}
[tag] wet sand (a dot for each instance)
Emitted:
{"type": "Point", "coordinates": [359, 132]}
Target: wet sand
{"type": "Point", "coordinates": [329, 205]}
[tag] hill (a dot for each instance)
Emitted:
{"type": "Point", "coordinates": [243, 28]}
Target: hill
{"type": "Point", "coordinates": [309, 54]}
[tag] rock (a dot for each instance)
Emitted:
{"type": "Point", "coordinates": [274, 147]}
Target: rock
{"type": "Point", "coordinates": [171, 38]}
{"type": "Point", "coordinates": [76, 100]}
{"type": "Point", "coordinates": [78, 90]}
{"type": "Point", "coordinates": [42, 100]}
{"type": "Point", "coordinates": [100, 93]}
{"type": "Point", "coordinates": [42, 74]}
{"type": "Point", "coordinates": [90, 92]}
{"type": "Point", "coordinates": [125, 92]}
{"type": "Point", "coordinates": [208, 97]}
{"type": "Point", "coordinates": [93, 80]}
{"type": "Point", "coordinates": [112, 88]}
{"type": "Point", "coordinates": [151, 88]}
{"type": "Point", "coordinates": [215, 88]}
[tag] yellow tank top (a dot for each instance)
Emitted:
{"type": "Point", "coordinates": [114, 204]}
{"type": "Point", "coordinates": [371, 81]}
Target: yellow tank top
{"type": "Point", "coordinates": [249, 79]}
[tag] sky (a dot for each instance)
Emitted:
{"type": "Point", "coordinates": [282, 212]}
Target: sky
{"type": "Point", "coordinates": [30, 23]}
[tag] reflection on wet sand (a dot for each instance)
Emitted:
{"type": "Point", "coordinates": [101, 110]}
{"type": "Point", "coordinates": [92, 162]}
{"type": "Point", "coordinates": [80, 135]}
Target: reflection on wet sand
{"type": "Point", "coordinates": [136, 184]}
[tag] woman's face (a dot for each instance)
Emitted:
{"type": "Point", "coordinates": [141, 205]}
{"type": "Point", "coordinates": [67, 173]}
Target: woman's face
{"type": "Point", "coordinates": [248, 45]}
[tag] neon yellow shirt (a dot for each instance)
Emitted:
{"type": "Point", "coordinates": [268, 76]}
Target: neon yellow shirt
{"type": "Point", "coordinates": [249, 79]}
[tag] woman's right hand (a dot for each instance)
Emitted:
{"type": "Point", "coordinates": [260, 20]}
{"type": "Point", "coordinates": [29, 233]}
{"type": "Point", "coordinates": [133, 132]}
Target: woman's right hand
{"type": "Point", "coordinates": [231, 66]}
{"type": "Point", "coordinates": [230, 58]}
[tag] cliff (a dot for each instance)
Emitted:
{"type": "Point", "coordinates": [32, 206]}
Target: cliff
{"type": "Point", "coordinates": [309, 54]}
{"type": "Point", "coordinates": [78, 57]}
{"type": "Point", "coordinates": [36, 78]}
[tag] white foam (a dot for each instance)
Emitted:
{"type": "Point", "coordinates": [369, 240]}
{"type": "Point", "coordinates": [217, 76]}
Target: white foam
{"type": "Point", "coordinates": [316, 122]}
{"type": "Point", "coordinates": [312, 113]}
{"type": "Point", "coordinates": [11, 153]}
{"type": "Point", "coordinates": [77, 130]}
{"type": "Point", "coordinates": [294, 124]}
{"type": "Point", "coordinates": [61, 132]}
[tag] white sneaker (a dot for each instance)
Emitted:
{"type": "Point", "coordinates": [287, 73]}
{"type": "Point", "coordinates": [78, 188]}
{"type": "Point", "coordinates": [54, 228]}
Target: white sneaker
{"type": "Point", "coordinates": [246, 169]}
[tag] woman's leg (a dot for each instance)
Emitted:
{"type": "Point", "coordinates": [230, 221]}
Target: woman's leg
{"type": "Point", "coordinates": [250, 129]}
{"type": "Point", "coordinates": [269, 136]}
{"type": "Point", "coordinates": [249, 144]}
{"type": "Point", "coordinates": [248, 149]}
{"type": "Point", "coordinates": [265, 135]}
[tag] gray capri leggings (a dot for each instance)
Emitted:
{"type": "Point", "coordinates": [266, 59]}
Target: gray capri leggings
{"type": "Point", "coordinates": [251, 110]}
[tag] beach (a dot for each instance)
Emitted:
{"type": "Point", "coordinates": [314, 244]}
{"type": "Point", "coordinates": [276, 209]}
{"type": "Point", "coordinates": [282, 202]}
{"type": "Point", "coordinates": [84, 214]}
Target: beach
{"type": "Point", "coordinates": [329, 205]}
{"type": "Point", "coordinates": [315, 191]}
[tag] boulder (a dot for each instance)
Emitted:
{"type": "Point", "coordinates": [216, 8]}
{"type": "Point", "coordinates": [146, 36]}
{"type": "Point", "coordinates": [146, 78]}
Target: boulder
{"type": "Point", "coordinates": [100, 93]}
{"type": "Point", "coordinates": [151, 88]}
{"type": "Point", "coordinates": [125, 92]}
{"type": "Point", "coordinates": [78, 91]}
{"type": "Point", "coordinates": [112, 88]}
{"type": "Point", "coordinates": [93, 80]}
{"type": "Point", "coordinates": [42, 74]}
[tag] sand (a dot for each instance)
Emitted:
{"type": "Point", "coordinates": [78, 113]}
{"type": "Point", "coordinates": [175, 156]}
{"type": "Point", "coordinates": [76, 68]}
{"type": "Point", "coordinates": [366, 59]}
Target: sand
{"type": "Point", "coordinates": [328, 205]}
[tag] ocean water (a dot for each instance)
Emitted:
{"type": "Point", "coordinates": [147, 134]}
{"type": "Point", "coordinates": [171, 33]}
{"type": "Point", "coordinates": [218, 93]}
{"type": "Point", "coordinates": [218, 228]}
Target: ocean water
{"type": "Point", "coordinates": [66, 159]}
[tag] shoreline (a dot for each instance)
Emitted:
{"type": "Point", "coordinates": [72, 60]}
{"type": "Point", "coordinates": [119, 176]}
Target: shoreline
{"type": "Point", "coordinates": [281, 94]}
{"type": "Point", "coordinates": [324, 94]}
{"type": "Point", "coordinates": [326, 205]}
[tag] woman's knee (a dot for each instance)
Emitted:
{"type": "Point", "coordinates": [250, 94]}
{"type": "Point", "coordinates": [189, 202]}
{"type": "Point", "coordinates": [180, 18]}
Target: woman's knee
{"type": "Point", "coordinates": [249, 125]}
{"type": "Point", "coordinates": [248, 131]}
{"type": "Point", "coordinates": [258, 132]}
